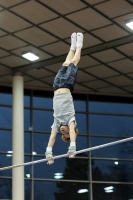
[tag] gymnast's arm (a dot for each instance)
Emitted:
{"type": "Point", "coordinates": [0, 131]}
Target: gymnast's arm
{"type": "Point", "coordinates": [72, 132]}
{"type": "Point", "coordinates": [48, 153]}
{"type": "Point", "coordinates": [52, 138]}
{"type": "Point", "coordinates": [73, 135]}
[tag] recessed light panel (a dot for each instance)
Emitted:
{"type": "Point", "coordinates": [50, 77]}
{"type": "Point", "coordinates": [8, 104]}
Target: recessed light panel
{"type": "Point", "coordinates": [130, 25]}
{"type": "Point", "coordinates": [30, 56]}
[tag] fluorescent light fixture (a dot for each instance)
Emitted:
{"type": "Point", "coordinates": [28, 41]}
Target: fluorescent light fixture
{"type": "Point", "coordinates": [116, 163]}
{"type": "Point", "coordinates": [27, 175]}
{"type": "Point", "coordinates": [30, 128]}
{"type": "Point", "coordinates": [30, 56]}
{"type": "Point", "coordinates": [109, 189]}
{"type": "Point", "coordinates": [9, 153]}
{"type": "Point", "coordinates": [58, 175]}
{"type": "Point", "coordinates": [82, 191]}
{"type": "Point", "coordinates": [34, 153]}
{"type": "Point", "coordinates": [130, 24]}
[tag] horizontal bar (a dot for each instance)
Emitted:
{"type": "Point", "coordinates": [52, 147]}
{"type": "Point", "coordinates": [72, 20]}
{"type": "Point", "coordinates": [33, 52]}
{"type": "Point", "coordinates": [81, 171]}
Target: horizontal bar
{"type": "Point", "coordinates": [66, 155]}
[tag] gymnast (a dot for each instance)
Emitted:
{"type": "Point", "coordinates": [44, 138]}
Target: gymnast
{"type": "Point", "coordinates": [64, 113]}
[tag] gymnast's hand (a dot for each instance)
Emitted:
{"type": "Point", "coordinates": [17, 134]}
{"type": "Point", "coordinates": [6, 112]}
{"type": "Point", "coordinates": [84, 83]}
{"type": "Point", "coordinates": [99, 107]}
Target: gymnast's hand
{"type": "Point", "coordinates": [50, 158]}
{"type": "Point", "coordinates": [71, 151]}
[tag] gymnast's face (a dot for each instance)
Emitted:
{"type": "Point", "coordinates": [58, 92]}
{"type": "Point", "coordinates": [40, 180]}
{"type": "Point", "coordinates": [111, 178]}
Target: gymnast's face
{"type": "Point", "coordinates": [65, 131]}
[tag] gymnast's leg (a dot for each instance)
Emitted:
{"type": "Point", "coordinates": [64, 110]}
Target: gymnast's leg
{"type": "Point", "coordinates": [62, 71]}
{"type": "Point", "coordinates": [79, 44]}
{"type": "Point", "coordinates": [74, 61]}
{"type": "Point", "coordinates": [72, 50]}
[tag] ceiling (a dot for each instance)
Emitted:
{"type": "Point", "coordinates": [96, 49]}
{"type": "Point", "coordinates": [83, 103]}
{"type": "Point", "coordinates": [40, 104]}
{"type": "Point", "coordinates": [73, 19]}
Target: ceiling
{"type": "Point", "coordinates": [44, 27]}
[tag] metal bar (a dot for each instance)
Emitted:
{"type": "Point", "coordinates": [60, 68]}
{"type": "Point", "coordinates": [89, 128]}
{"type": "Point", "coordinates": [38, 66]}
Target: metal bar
{"type": "Point", "coordinates": [66, 155]}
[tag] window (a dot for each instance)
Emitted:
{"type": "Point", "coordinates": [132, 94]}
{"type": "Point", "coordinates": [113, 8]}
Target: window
{"type": "Point", "coordinates": [111, 125]}
{"type": "Point", "coordinates": [112, 170]}
{"type": "Point", "coordinates": [28, 190]}
{"type": "Point", "coordinates": [61, 190]}
{"type": "Point", "coordinates": [42, 120]}
{"type": "Point", "coordinates": [27, 168]}
{"type": "Point", "coordinates": [64, 168]}
{"type": "Point", "coordinates": [27, 101]}
{"type": "Point", "coordinates": [5, 117]}
{"type": "Point", "coordinates": [5, 188]}
{"type": "Point", "coordinates": [81, 123]}
{"type": "Point", "coordinates": [112, 191]}
{"type": "Point", "coordinates": [121, 150]}
{"type": "Point", "coordinates": [6, 98]}
{"type": "Point", "coordinates": [27, 119]}
{"type": "Point", "coordinates": [5, 161]}
{"type": "Point", "coordinates": [42, 102]}
{"type": "Point", "coordinates": [5, 141]}
{"type": "Point", "coordinates": [111, 107]}
{"type": "Point", "coordinates": [79, 105]}
{"type": "Point", "coordinates": [108, 119]}
{"type": "Point", "coordinates": [27, 142]}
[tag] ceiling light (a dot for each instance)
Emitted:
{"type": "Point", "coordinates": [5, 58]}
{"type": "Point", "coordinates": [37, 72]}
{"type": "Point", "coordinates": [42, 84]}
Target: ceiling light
{"type": "Point", "coordinates": [30, 56]}
{"type": "Point", "coordinates": [34, 153]}
{"type": "Point", "coordinates": [116, 163]}
{"type": "Point", "coordinates": [130, 24]}
{"type": "Point", "coordinates": [30, 128]}
{"type": "Point", "coordinates": [109, 189]}
{"type": "Point", "coordinates": [82, 191]}
{"type": "Point", "coordinates": [9, 153]}
{"type": "Point", "coordinates": [58, 175]}
{"type": "Point", "coordinates": [27, 175]}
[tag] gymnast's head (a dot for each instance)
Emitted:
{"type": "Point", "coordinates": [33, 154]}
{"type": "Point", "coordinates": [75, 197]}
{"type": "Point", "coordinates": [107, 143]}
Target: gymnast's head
{"type": "Point", "coordinates": [65, 133]}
